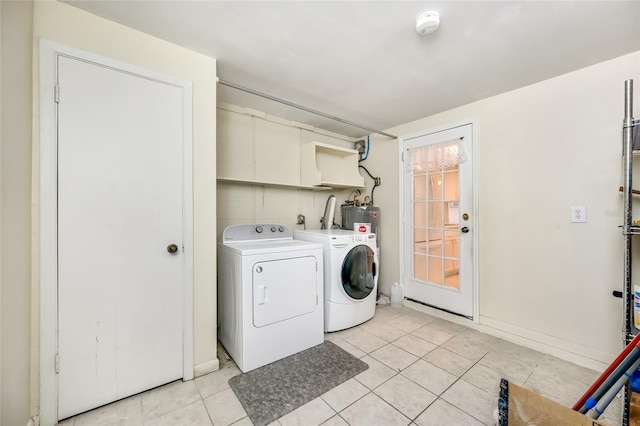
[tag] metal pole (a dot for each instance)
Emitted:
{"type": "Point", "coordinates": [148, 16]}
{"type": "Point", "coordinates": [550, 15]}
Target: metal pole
{"type": "Point", "coordinates": [613, 391]}
{"type": "Point", "coordinates": [628, 219]}
{"type": "Point", "coordinates": [303, 108]}
{"type": "Point", "coordinates": [627, 145]}
{"type": "Point", "coordinates": [627, 293]}
{"type": "Point", "coordinates": [622, 368]}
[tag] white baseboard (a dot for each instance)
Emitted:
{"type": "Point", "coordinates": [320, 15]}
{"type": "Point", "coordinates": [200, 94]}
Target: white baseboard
{"type": "Point", "coordinates": [207, 367]}
{"type": "Point", "coordinates": [568, 351]}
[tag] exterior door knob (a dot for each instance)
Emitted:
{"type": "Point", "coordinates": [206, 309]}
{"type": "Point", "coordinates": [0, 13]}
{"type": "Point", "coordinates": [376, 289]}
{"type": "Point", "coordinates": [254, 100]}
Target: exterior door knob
{"type": "Point", "coordinates": [172, 248]}
{"type": "Point", "coordinates": [464, 229]}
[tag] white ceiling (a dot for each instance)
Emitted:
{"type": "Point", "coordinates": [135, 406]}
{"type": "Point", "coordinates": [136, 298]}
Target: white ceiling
{"type": "Point", "coordinates": [364, 61]}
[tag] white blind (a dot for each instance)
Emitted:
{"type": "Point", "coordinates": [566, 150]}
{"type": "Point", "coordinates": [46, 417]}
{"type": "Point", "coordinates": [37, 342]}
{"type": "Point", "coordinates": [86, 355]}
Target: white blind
{"type": "Point", "coordinates": [437, 156]}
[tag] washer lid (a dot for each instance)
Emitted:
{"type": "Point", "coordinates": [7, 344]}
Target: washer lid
{"type": "Point", "coordinates": [274, 246]}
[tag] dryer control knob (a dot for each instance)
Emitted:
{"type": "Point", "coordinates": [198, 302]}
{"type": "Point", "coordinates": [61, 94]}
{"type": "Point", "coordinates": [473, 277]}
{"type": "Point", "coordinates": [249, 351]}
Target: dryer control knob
{"type": "Point", "coordinates": [281, 229]}
{"type": "Point", "coordinates": [259, 229]}
{"type": "Point", "coordinates": [273, 229]}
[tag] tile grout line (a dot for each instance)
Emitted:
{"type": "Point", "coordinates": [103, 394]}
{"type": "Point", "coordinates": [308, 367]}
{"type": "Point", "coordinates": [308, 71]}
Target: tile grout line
{"type": "Point", "coordinates": [459, 378]}
{"type": "Point", "coordinates": [439, 397]}
{"type": "Point", "coordinates": [399, 372]}
{"type": "Point", "coordinates": [537, 365]}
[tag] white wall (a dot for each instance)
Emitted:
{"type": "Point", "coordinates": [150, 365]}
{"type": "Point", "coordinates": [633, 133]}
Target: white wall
{"type": "Point", "coordinates": [68, 25]}
{"type": "Point", "coordinates": [15, 213]}
{"type": "Point", "coordinates": [248, 204]}
{"type": "Point", "coordinates": [542, 148]}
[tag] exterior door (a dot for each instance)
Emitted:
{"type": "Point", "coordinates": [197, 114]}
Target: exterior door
{"type": "Point", "coordinates": [438, 219]}
{"type": "Point", "coordinates": [120, 202]}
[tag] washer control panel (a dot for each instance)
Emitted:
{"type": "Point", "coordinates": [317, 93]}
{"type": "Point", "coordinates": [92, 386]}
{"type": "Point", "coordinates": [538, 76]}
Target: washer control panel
{"type": "Point", "coordinates": [352, 238]}
{"type": "Point", "coordinates": [256, 232]}
{"type": "Point", "coordinates": [357, 238]}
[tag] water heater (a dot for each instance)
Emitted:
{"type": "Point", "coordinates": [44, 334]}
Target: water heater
{"type": "Point", "coordinates": [367, 214]}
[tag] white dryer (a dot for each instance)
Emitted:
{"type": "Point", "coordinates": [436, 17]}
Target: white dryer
{"type": "Point", "coordinates": [270, 293]}
{"type": "Point", "coordinates": [350, 275]}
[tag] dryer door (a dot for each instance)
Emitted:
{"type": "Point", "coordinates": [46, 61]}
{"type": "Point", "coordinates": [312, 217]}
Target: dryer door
{"type": "Point", "coordinates": [359, 272]}
{"type": "Point", "coordinates": [284, 289]}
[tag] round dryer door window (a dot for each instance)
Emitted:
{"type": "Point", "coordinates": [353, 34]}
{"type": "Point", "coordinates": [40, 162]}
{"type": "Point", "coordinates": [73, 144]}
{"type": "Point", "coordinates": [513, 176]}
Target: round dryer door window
{"type": "Point", "coordinates": [358, 272]}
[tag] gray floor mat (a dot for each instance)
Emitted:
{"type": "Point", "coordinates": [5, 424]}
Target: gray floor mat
{"type": "Point", "coordinates": [276, 389]}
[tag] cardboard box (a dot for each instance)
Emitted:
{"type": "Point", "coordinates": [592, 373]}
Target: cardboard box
{"type": "Point", "coordinates": [518, 406]}
{"type": "Point", "coordinates": [634, 409]}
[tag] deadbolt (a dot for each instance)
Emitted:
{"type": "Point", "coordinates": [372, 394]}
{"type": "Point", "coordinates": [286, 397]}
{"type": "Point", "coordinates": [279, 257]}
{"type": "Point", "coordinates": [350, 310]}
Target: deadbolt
{"type": "Point", "coordinates": [465, 216]}
{"type": "Point", "coordinates": [172, 248]}
{"type": "Point", "coordinates": [464, 230]}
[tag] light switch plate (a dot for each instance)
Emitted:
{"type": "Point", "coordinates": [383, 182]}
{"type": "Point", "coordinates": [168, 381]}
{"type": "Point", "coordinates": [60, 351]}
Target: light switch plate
{"type": "Point", "coordinates": [578, 214]}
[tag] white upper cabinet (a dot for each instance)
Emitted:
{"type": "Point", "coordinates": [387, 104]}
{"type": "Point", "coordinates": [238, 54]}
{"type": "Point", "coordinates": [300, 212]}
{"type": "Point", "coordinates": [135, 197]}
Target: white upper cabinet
{"type": "Point", "coordinates": [234, 157]}
{"type": "Point", "coordinates": [265, 150]}
{"type": "Point", "coordinates": [277, 153]}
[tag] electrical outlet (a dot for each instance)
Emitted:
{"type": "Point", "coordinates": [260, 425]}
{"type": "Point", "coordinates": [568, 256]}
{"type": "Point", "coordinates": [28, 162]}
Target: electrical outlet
{"type": "Point", "coordinates": [578, 214]}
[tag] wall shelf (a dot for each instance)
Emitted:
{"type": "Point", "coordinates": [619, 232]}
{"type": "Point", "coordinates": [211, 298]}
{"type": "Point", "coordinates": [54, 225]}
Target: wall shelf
{"type": "Point", "coordinates": [330, 165]}
{"type": "Point", "coordinates": [273, 184]}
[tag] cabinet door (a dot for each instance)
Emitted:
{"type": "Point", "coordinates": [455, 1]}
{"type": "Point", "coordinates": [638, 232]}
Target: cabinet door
{"type": "Point", "coordinates": [277, 153]}
{"type": "Point", "coordinates": [235, 154]}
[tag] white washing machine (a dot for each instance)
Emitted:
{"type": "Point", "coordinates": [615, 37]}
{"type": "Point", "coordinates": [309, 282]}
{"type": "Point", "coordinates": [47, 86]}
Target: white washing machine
{"type": "Point", "coordinates": [350, 275]}
{"type": "Point", "coordinates": [270, 293]}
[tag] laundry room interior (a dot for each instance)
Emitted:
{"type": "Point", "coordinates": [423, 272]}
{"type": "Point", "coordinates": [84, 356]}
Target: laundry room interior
{"type": "Point", "coordinates": [443, 190]}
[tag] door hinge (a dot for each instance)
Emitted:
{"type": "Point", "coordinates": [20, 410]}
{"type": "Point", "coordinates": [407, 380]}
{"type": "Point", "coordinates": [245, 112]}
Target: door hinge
{"type": "Point", "coordinates": [57, 363]}
{"type": "Point", "coordinates": [56, 93]}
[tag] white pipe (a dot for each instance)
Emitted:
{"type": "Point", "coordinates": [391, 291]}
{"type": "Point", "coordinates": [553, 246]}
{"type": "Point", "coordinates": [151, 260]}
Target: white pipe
{"type": "Point", "coordinates": [332, 212]}
{"type": "Point", "coordinates": [329, 211]}
{"type": "Point", "coordinates": [303, 108]}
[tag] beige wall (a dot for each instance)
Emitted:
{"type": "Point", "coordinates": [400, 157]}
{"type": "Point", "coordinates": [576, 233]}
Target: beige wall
{"type": "Point", "coordinates": [65, 24]}
{"type": "Point", "coordinates": [15, 213]}
{"type": "Point", "coordinates": [247, 204]}
{"type": "Point", "coordinates": [541, 149]}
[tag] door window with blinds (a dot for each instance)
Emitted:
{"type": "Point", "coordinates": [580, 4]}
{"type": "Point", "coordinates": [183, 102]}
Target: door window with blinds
{"type": "Point", "coordinates": [434, 171]}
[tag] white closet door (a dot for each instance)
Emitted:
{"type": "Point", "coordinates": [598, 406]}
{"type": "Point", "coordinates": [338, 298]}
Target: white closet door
{"type": "Point", "coordinates": [119, 208]}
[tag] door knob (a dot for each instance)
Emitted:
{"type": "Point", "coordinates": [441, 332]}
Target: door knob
{"type": "Point", "coordinates": [464, 229]}
{"type": "Point", "coordinates": [172, 248]}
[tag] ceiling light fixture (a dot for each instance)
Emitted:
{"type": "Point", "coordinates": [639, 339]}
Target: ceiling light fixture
{"type": "Point", "coordinates": [427, 22]}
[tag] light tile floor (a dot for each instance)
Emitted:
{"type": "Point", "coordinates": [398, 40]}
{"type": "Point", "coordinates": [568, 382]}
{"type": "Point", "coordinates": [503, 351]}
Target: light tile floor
{"type": "Point", "coordinates": [422, 371]}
